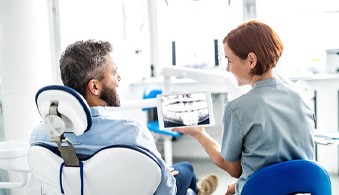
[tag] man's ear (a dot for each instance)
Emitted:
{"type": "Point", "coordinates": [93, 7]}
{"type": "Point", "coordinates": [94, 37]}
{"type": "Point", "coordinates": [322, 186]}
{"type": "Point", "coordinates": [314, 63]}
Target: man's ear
{"type": "Point", "coordinates": [252, 59]}
{"type": "Point", "coordinates": [94, 86]}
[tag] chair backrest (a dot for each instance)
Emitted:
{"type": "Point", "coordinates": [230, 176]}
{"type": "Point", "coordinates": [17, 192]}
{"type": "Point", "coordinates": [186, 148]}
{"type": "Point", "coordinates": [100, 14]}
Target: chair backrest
{"type": "Point", "coordinates": [117, 170]}
{"type": "Point", "coordinates": [289, 177]}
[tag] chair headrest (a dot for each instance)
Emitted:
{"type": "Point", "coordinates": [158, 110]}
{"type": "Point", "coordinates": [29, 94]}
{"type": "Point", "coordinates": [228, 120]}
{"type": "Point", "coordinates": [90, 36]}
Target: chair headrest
{"type": "Point", "coordinates": [73, 111]}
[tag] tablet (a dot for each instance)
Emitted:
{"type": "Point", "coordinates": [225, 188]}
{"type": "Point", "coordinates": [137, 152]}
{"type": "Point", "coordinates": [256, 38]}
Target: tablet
{"type": "Point", "coordinates": [185, 109]}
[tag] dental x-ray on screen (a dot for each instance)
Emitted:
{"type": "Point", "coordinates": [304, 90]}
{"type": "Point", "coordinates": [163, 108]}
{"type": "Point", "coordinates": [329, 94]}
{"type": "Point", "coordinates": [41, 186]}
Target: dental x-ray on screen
{"type": "Point", "coordinates": [185, 109]}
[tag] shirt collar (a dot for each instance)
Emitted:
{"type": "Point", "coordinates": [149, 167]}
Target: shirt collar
{"type": "Point", "coordinates": [267, 82]}
{"type": "Point", "coordinates": [98, 110]}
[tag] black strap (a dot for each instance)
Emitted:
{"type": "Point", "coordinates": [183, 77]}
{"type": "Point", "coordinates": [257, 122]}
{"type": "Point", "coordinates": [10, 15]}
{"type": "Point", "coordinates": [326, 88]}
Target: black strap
{"type": "Point", "coordinates": [67, 151]}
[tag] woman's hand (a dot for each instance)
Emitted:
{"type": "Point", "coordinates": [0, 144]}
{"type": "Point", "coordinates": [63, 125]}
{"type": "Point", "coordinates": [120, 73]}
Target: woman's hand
{"type": "Point", "coordinates": [189, 130]}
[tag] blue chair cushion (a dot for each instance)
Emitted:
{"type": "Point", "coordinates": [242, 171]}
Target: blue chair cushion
{"type": "Point", "coordinates": [289, 177]}
{"type": "Point", "coordinates": [154, 127]}
{"type": "Point", "coordinates": [151, 94]}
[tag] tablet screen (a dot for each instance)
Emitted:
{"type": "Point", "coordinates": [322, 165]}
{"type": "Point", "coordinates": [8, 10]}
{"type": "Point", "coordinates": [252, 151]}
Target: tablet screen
{"type": "Point", "coordinates": [185, 109]}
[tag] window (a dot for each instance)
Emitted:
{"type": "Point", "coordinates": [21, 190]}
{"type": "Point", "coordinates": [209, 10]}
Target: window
{"type": "Point", "coordinates": [193, 26]}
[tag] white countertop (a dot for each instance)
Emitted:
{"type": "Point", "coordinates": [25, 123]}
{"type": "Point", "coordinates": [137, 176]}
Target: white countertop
{"type": "Point", "coordinates": [311, 76]}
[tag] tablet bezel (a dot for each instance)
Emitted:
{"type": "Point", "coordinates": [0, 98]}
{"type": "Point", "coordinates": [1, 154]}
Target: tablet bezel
{"type": "Point", "coordinates": [209, 106]}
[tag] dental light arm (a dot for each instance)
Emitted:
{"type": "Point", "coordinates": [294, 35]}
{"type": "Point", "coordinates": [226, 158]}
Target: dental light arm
{"type": "Point", "coordinates": [223, 80]}
{"type": "Point", "coordinates": [136, 104]}
{"type": "Point", "coordinates": [192, 73]}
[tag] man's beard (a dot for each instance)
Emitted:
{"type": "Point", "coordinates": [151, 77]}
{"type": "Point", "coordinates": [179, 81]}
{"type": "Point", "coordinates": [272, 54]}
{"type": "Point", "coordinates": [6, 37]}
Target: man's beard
{"type": "Point", "coordinates": [110, 96]}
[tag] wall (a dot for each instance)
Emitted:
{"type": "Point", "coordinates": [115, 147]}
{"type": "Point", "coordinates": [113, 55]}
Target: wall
{"type": "Point", "coordinates": [327, 117]}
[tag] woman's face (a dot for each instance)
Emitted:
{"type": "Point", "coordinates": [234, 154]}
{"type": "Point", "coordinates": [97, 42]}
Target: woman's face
{"type": "Point", "coordinates": [238, 67]}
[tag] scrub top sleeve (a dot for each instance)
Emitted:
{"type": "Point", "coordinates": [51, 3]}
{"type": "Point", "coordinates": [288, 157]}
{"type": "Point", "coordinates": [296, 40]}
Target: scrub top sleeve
{"type": "Point", "coordinates": [232, 140]}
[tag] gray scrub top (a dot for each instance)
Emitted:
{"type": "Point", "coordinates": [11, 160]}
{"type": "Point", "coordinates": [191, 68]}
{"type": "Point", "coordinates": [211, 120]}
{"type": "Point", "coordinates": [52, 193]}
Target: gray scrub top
{"type": "Point", "coordinates": [269, 124]}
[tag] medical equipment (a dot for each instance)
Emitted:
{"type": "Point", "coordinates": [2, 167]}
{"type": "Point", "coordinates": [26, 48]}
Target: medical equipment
{"type": "Point", "coordinates": [112, 170]}
{"type": "Point", "coordinates": [13, 158]}
{"type": "Point", "coordinates": [289, 177]}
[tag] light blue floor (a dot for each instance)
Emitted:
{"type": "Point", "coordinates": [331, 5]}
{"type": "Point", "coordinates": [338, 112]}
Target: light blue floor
{"type": "Point", "coordinates": [205, 166]}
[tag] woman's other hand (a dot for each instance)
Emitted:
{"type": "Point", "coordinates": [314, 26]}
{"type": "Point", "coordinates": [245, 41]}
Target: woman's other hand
{"type": "Point", "coordinates": [174, 172]}
{"type": "Point", "coordinates": [230, 189]}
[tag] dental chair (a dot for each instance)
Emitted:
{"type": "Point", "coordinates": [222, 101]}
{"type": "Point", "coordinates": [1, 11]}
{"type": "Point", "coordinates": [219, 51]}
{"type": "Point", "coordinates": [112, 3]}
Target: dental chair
{"type": "Point", "coordinates": [116, 169]}
{"type": "Point", "coordinates": [289, 177]}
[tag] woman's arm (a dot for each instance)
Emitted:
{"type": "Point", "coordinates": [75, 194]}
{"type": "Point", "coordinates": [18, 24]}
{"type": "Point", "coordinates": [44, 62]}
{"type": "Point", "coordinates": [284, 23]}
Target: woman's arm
{"type": "Point", "coordinates": [213, 149]}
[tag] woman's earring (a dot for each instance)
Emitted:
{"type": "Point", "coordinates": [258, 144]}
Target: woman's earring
{"type": "Point", "coordinates": [251, 62]}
